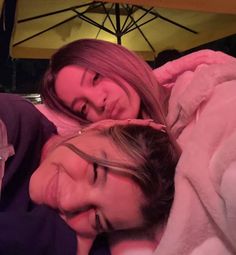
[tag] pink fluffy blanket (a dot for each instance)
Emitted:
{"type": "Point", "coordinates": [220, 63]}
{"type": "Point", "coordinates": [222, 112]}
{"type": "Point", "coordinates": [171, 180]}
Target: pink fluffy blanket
{"type": "Point", "coordinates": [202, 114]}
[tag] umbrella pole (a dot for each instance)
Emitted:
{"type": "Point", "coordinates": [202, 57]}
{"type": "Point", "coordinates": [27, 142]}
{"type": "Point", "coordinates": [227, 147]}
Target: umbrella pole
{"type": "Point", "coordinates": [118, 31]}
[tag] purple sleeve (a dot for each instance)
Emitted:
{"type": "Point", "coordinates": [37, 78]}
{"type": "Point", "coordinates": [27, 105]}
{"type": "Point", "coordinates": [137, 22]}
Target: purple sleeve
{"type": "Point", "coordinates": [37, 232]}
{"type": "Point", "coordinates": [27, 228]}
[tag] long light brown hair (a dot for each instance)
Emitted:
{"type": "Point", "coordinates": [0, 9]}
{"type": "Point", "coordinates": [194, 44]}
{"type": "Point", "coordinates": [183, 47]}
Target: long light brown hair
{"type": "Point", "coordinates": [111, 61]}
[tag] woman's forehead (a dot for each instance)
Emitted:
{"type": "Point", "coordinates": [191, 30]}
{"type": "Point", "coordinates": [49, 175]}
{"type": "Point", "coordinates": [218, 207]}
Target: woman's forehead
{"type": "Point", "coordinates": [96, 143]}
{"type": "Point", "coordinates": [88, 137]}
{"type": "Point", "coordinates": [91, 142]}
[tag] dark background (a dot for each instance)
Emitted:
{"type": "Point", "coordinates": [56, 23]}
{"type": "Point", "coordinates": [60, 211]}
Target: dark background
{"type": "Point", "coordinates": [24, 75]}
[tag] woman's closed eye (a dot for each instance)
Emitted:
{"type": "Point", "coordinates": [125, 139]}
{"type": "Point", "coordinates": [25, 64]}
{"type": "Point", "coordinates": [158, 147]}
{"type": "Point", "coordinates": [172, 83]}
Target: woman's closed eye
{"type": "Point", "coordinates": [95, 172]}
{"type": "Point", "coordinates": [99, 174]}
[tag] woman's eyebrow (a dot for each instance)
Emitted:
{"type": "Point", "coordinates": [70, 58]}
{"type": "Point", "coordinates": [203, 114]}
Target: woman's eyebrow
{"type": "Point", "coordinates": [72, 147]}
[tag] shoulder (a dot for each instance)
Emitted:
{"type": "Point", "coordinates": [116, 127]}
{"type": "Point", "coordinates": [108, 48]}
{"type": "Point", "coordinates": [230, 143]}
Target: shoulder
{"type": "Point", "coordinates": [12, 104]}
{"type": "Point", "coordinates": [13, 107]}
{"type": "Point", "coordinates": [22, 118]}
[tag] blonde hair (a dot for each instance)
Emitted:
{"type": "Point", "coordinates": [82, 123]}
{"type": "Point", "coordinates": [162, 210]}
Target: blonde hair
{"type": "Point", "coordinates": [155, 158]}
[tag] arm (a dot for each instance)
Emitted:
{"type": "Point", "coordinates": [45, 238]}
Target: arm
{"type": "Point", "coordinates": [25, 227]}
{"type": "Point", "coordinates": [40, 231]}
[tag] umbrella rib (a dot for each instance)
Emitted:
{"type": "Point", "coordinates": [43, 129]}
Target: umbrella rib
{"type": "Point", "coordinates": [170, 21]}
{"type": "Point", "coordinates": [140, 25]}
{"type": "Point", "coordinates": [143, 35]}
{"type": "Point", "coordinates": [129, 13]}
{"type": "Point", "coordinates": [43, 31]}
{"type": "Point", "coordinates": [92, 22]}
{"type": "Point", "coordinates": [102, 23]}
{"type": "Point", "coordinates": [53, 13]}
{"type": "Point", "coordinates": [142, 16]}
{"type": "Point", "coordinates": [179, 25]}
{"type": "Point", "coordinates": [108, 15]}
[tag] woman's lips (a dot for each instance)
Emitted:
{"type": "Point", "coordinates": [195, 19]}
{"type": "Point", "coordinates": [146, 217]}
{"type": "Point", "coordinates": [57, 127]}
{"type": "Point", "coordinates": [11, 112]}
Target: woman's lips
{"type": "Point", "coordinates": [51, 191]}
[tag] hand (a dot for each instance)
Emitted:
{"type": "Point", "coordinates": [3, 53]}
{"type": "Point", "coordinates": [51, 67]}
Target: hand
{"type": "Point", "coordinates": [140, 122]}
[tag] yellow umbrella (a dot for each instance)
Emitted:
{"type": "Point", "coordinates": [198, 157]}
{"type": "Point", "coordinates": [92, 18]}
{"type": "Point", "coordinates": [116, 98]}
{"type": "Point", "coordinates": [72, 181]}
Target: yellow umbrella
{"type": "Point", "coordinates": [147, 27]}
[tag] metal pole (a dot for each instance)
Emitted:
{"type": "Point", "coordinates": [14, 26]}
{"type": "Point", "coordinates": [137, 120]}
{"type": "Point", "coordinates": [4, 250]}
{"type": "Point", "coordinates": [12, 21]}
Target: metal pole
{"type": "Point", "coordinates": [118, 32]}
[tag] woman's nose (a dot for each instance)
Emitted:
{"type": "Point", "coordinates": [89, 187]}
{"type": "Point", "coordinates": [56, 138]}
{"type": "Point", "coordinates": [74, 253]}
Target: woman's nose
{"type": "Point", "coordinates": [73, 198]}
{"type": "Point", "coordinates": [97, 99]}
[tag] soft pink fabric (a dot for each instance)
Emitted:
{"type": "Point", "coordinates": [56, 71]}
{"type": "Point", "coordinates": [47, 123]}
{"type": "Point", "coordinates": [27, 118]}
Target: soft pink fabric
{"type": "Point", "coordinates": [64, 124]}
{"type": "Point", "coordinates": [202, 116]}
{"type": "Point", "coordinates": [171, 71]}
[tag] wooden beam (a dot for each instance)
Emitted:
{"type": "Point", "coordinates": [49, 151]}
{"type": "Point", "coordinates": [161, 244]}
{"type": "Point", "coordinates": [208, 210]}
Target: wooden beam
{"type": "Point", "coordinates": [217, 6]}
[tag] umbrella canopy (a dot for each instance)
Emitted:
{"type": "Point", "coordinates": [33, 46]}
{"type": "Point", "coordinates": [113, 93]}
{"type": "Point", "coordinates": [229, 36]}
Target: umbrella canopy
{"type": "Point", "coordinates": [42, 26]}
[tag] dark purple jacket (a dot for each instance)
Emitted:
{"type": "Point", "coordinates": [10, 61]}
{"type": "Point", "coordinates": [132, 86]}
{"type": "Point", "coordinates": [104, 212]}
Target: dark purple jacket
{"type": "Point", "coordinates": [26, 228]}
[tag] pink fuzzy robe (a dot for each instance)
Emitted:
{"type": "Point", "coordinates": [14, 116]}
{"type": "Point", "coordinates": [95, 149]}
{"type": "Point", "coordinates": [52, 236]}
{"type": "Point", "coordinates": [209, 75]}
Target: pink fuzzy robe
{"type": "Point", "coordinates": [202, 115]}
